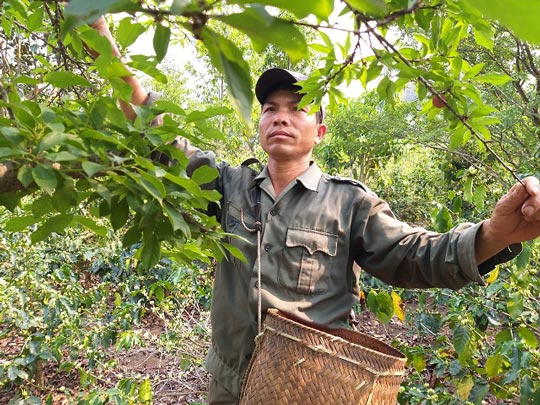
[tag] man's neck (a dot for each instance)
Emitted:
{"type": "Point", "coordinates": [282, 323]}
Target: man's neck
{"type": "Point", "coordinates": [281, 174]}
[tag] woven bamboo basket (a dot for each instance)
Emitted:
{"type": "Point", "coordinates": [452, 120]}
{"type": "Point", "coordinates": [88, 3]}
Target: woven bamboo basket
{"type": "Point", "coordinates": [297, 363]}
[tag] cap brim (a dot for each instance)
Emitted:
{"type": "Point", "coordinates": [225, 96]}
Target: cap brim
{"type": "Point", "coordinates": [273, 78]}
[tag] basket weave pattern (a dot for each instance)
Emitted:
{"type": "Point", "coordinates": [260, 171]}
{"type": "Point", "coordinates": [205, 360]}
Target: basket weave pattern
{"type": "Point", "coordinates": [294, 363]}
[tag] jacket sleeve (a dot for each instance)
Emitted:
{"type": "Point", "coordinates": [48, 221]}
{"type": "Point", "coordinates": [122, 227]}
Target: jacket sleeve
{"type": "Point", "coordinates": [406, 256]}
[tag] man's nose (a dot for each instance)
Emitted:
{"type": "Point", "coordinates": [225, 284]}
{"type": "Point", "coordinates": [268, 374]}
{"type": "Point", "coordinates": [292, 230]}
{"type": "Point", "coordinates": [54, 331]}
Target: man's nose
{"type": "Point", "coordinates": [281, 118]}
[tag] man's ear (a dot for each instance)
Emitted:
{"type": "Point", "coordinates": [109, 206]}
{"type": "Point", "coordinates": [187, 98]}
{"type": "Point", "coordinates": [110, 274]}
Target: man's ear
{"type": "Point", "coordinates": [321, 132]}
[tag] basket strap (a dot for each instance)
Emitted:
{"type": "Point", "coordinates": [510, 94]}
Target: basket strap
{"type": "Point", "coordinates": [258, 229]}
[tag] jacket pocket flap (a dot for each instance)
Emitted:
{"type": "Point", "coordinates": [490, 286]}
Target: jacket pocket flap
{"type": "Point", "coordinates": [312, 240]}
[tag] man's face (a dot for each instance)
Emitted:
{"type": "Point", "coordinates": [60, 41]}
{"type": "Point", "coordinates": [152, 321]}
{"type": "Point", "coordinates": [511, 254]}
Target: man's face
{"type": "Point", "coordinates": [285, 132]}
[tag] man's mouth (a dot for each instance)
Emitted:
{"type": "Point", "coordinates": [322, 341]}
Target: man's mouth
{"type": "Point", "coordinates": [279, 134]}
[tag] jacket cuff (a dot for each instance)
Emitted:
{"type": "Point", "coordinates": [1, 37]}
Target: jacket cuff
{"type": "Point", "coordinates": [467, 255]}
{"type": "Point", "coordinates": [152, 97]}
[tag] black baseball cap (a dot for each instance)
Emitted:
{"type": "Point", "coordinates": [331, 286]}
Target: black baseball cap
{"type": "Point", "coordinates": [275, 77]}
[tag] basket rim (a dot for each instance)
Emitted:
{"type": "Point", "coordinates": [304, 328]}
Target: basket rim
{"type": "Point", "coordinates": [394, 354]}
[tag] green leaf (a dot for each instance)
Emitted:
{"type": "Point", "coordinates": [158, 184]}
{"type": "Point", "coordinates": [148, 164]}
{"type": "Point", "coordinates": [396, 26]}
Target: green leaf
{"type": "Point", "coordinates": [479, 196]}
{"type": "Point", "coordinates": [128, 32]}
{"type": "Point", "coordinates": [149, 66]}
{"type": "Point", "coordinates": [177, 221]}
{"type": "Point", "coordinates": [524, 257]}
{"type": "Point", "coordinates": [479, 392]}
{"type": "Point", "coordinates": [370, 7]}
{"type": "Point", "coordinates": [18, 224]}
{"type": "Point", "coordinates": [527, 390]}
{"type": "Point", "coordinates": [161, 40]}
{"type": "Point", "coordinates": [63, 79]}
{"type": "Point", "coordinates": [494, 365]}
{"type": "Point", "coordinates": [381, 305]}
{"type": "Point", "coordinates": [42, 205]}
{"type": "Point", "coordinates": [458, 137]}
{"type": "Point", "coordinates": [473, 71]}
{"type": "Point", "coordinates": [54, 224]}
{"type": "Point", "coordinates": [461, 338]}
{"type": "Point", "coordinates": [226, 57]}
{"type": "Point", "coordinates": [503, 336]}
{"type": "Point", "coordinates": [119, 213]}
{"type": "Point", "coordinates": [150, 253]}
{"type": "Point", "coordinates": [443, 220]}
{"type": "Point", "coordinates": [493, 78]}
{"type": "Point", "coordinates": [467, 190]}
{"type": "Point", "coordinates": [528, 337]}
{"type": "Point", "coordinates": [263, 28]}
{"type": "Point", "coordinates": [233, 250]}
{"type": "Point", "coordinates": [62, 156]}
{"type": "Point", "coordinates": [204, 175]}
{"type": "Point", "coordinates": [12, 373]}
{"type": "Point", "coordinates": [145, 391]}
{"type": "Point", "coordinates": [132, 236]}
{"type": "Point", "coordinates": [90, 224]}
{"type": "Point", "coordinates": [45, 177]}
{"type": "Point", "coordinates": [301, 9]}
{"type": "Point", "coordinates": [186, 183]}
{"type": "Point", "coordinates": [520, 16]}
{"type": "Point", "coordinates": [208, 113]}
{"type": "Point", "coordinates": [419, 362]}
{"type": "Point", "coordinates": [52, 139]}
{"type": "Point", "coordinates": [90, 10]}
{"type": "Point", "coordinates": [151, 184]}
{"type": "Point", "coordinates": [464, 387]}
{"type": "Point", "coordinates": [484, 36]}
{"type": "Point", "coordinates": [34, 21]}
{"type": "Point", "coordinates": [514, 304]}
{"type": "Point", "coordinates": [91, 168]}
{"type": "Point", "coordinates": [24, 175]}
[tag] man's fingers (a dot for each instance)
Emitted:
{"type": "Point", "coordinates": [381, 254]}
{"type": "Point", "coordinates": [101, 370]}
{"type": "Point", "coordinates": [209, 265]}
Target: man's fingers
{"type": "Point", "coordinates": [531, 207]}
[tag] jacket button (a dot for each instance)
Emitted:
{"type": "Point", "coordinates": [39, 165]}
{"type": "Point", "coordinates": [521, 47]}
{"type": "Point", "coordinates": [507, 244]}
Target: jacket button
{"type": "Point", "coordinates": [267, 248]}
{"type": "Point", "coordinates": [257, 284]}
{"type": "Point", "coordinates": [273, 213]}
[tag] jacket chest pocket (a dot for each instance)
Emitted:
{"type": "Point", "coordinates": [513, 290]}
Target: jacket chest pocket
{"type": "Point", "coordinates": [241, 224]}
{"type": "Point", "coordinates": [307, 256]}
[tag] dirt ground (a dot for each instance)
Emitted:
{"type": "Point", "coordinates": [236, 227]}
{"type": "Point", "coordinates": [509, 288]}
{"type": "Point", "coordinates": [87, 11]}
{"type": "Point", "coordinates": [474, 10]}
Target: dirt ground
{"type": "Point", "coordinates": [177, 373]}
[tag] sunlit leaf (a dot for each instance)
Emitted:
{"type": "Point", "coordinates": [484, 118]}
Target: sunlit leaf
{"type": "Point", "coordinates": [528, 337]}
{"type": "Point", "coordinates": [494, 365]}
{"type": "Point", "coordinates": [493, 78]}
{"type": "Point", "coordinates": [464, 387]}
{"type": "Point", "coordinates": [519, 16]}
{"type": "Point", "coordinates": [145, 391]}
{"type": "Point", "coordinates": [371, 7]}
{"type": "Point", "coordinates": [301, 9]}
{"type": "Point", "coordinates": [263, 28]}
{"type": "Point", "coordinates": [128, 32]}
{"type": "Point", "coordinates": [398, 306]}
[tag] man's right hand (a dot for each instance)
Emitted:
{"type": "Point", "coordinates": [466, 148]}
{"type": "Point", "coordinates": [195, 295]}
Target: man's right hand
{"type": "Point", "coordinates": [139, 95]}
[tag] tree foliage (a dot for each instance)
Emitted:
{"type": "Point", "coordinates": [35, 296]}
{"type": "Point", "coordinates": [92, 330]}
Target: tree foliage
{"type": "Point", "coordinates": [70, 161]}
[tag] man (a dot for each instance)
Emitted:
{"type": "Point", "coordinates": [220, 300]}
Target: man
{"type": "Point", "coordinates": [315, 226]}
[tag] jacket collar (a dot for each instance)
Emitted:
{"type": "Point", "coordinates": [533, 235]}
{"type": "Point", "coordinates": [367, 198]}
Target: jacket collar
{"type": "Point", "coordinates": [309, 178]}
